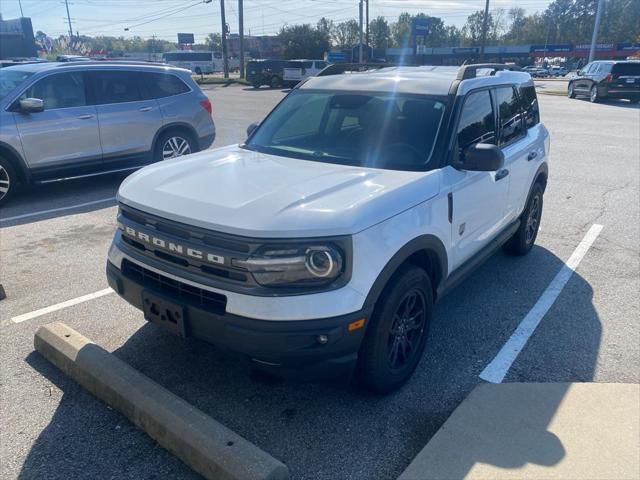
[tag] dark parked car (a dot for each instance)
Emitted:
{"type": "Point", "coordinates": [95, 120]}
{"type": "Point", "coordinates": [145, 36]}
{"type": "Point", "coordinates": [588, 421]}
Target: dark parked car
{"type": "Point", "coordinates": [266, 72]}
{"type": "Point", "coordinates": [607, 79]}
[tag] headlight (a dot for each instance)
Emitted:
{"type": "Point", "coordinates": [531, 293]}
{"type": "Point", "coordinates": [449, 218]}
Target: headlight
{"type": "Point", "coordinates": [312, 265]}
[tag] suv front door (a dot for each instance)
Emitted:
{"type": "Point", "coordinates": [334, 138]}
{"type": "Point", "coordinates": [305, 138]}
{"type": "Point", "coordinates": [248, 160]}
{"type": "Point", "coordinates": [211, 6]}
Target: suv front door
{"type": "Point", "coordinates": [128, 121]}
{"type": "Point", "coordinates": [66, 133]}
{"type": "Point", "coordinates": [478, 199]}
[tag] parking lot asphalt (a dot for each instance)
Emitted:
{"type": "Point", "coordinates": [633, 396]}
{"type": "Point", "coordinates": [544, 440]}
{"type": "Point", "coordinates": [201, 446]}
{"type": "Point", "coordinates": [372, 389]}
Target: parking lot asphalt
{"type": "Point", "coordinates": [53, 429]}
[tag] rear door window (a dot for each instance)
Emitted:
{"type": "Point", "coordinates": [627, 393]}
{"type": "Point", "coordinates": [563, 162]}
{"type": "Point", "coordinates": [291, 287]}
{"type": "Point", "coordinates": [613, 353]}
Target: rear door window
{"type": "Point", "coordinates": [511, 127]}
{"type": "Point", "coordinates": [115, 87]}
{"type": "Point", "coordinates": [160, 85]}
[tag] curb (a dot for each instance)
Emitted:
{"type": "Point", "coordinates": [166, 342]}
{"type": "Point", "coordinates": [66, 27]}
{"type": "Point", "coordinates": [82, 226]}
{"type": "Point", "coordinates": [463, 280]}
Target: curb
{"type": "Point", "coordinates": [208, 447]}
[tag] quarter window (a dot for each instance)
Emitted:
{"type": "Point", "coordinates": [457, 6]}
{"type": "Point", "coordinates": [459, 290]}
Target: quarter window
{"type": "Point", "coordinates": [115, 87]}
{"type": "Point", "coordinates": [511, 127]}
{"type": "Point", "coordinates": [61, 90]}
{"type": "Point", "coordinates": [160, 85]}
{"type": "Point", "coordinates": [529, 103]}
{"type": "Point", "coordinates": [477, 121]}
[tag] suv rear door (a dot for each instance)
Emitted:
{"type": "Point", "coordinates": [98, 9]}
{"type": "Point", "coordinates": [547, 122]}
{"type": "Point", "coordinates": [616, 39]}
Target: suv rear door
{"type": "Point", "coordinates": [128, 121]}
{"type": "Point", "coordinates": [66, 132]}
{"type": "Point", "coordinates": [521, 145]}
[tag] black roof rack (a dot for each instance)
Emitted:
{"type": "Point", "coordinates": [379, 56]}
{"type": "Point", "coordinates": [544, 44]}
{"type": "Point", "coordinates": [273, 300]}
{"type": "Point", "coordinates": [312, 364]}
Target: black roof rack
{"type": "Point", "coordinates": [339, 68]}
{"type": "Point", "coordinates": [470, 71]}
{"type": "Point", "coordinates": [112, 62]}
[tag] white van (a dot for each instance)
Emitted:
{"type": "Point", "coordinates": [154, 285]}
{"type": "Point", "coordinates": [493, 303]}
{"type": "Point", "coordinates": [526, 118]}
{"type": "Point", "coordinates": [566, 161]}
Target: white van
{"type": "Point", "coordinates": [297, 70]}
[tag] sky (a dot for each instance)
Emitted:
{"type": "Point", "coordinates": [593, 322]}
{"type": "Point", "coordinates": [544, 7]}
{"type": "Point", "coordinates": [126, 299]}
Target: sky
{"type": "Point", "coordinates": [164, 18]}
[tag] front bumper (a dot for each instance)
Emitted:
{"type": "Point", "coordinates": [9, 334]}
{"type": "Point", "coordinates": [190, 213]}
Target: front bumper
{"type": "Point", "coordinates": [287, 348]}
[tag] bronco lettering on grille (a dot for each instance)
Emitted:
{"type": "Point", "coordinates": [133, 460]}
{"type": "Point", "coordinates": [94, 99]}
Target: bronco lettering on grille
{"type": "Point", "coordinates": [169, 246]}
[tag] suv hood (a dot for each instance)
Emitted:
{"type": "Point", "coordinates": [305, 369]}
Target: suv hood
{"type": "Point", "coordinates": [253, 194]}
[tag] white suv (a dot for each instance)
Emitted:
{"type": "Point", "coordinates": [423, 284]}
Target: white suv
{"type": "Point", "coordinates": [321, 244]}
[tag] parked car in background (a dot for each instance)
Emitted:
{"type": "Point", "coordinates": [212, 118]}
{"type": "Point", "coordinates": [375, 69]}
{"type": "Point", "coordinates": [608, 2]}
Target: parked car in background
{"type": "Point", "coordinates": [607, 79]}
{"type": "Point", "coordinates": [297, 70]}
{"type": "Point", "coordinates": [558, 71]}
{"type": "Point", "coordinates": [72, 58]}
{"type": "Point", "coordinates": [266, 72]}
{"type": "Point", "coordinates": [199, 62]}
{"type": "Point", "coordinates": [536, 72]}
{"type": "Point", "coordinates": [77, 119]}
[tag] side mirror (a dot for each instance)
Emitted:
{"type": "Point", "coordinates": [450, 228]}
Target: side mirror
{"type": "Point", "coordinates": [483, 157]}
{"type": "Point", "coordinates": [31, 105]}
{"type": "Point", "coordinates": [251, 128]}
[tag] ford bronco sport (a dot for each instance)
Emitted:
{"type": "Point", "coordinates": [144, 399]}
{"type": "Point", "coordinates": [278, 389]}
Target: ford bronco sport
{"type": "Point", "coordinates": [322, 242]}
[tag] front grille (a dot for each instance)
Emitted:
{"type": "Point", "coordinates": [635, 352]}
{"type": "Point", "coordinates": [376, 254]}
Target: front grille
{"type": "Point", "coordinates": [194, 296]}
{"type": "Point", "coordinates": [225, 245]}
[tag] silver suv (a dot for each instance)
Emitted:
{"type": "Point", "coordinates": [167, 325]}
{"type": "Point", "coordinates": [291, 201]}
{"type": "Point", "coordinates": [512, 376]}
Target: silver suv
{"type": "Point", "coordinates": [70, 120]}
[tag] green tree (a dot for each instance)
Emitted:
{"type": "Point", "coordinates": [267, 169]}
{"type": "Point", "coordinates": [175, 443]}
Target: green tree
{"type": "Point", "coordinates": [214, 42]}
{"type": "Point", "coordinates": [303, 41]}
{"type": "Point", "coordinates": [401, 30]}
{"type": "Point", "coordinates": [346, 34]}
{"type": "Point", "coordinates": [379, 33]}
{"type": "Point", "coordinates": [473, 28]}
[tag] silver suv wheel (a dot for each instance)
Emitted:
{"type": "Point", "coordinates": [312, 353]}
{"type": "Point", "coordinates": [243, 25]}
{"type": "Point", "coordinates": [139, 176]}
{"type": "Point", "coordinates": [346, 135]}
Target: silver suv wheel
{"type": "Point", "coordinates": [5, 182]}
{"type": "Point", "coordinates": [175, 147]}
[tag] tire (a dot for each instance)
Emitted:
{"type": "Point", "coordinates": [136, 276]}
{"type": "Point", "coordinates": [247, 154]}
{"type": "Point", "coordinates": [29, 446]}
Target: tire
{"type": "Point", "coordinates": [9, 182]}
{"type": "Point", "coordinates": [635, 100]}
{"type": "Point", "coordinates": [593, 94]}
{"type": "Point", "coordinates": [174, 143]}
{"type": "Point", "coordinates": [397, 332]}
{"type": "Point", "coordinates": [525, 237]}
{"type": "Point", "coordinates": [256, 85]}
{"type": "Point", "coordinates": [571, 93]}
{"type": "Point", "coordinates": [198, 71]}
{"type": "Point", "coordinates": [275, 82]}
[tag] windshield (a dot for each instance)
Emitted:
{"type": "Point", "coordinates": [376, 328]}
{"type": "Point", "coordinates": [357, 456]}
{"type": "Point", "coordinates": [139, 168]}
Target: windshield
{"type": "Point", "coordinates": [390, 131]}
{"type": "Point", "coordinates": [10, 79]}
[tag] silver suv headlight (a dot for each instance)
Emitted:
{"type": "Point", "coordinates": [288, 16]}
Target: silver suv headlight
{"type": "Point", "coordinates": [295, 265]}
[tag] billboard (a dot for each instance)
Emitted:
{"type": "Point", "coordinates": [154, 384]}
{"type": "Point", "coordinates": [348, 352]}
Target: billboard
{"type": "Point", "coordinates": [186, 38]}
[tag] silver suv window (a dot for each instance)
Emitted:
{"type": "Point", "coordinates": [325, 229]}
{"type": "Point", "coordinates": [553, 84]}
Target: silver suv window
{"type": "Point", "coordinates": [60, 90]}
{"type": "Point", "coordinates": [114, 86]}
{"type": "Point", "coordinates": [10, 79]}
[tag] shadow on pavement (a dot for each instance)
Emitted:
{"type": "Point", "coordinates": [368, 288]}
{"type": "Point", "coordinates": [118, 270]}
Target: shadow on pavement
{"type": "Point", "coordinates": [329, 431]}
{"type": "Point", "coordinates": [59, 199]}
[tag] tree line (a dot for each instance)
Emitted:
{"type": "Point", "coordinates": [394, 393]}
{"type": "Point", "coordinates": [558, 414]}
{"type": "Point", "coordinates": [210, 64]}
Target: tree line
{"type": "Point", "coordinates": [563, 21]}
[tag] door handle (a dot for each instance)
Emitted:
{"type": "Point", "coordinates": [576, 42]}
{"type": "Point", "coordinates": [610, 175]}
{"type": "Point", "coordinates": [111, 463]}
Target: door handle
{"type": "Point", "coordinates": [500, 174]}
{"type": "Point", "coordinates": [532, 155]}
{"type": "Point", "coordinates": [145, 109]}
{"type": "Point", "coordinates": [86, 116]}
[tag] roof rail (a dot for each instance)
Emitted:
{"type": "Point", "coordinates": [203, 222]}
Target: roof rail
{"type": "Point", "coordinates": [470, 71]}
{"type": "Point", "coordinates": [112, 62]}
{"type": "Point", "coordinates": [338, 68]}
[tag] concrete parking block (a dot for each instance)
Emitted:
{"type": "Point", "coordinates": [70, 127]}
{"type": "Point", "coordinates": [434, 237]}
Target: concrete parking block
{"type": "Point", "coordinates": [205, 445]}
{"type": "Point", "coordinates": [537, 431]}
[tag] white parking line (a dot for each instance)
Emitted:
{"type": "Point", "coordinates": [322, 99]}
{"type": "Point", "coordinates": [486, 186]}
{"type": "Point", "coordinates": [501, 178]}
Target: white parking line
{"type": "Point", "coordinates": [500, 365]}
{"type": "Point", "coordinates": [54, 210]}
{"type": "Point", "coordinates": [59, 306]}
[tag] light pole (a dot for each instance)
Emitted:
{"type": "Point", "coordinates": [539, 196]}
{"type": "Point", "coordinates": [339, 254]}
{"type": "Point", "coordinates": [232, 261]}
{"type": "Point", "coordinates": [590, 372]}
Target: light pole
{"type": "Point", "coordinates": [360, 43]}
{"type": "Point", "coordinates": [596, 27]}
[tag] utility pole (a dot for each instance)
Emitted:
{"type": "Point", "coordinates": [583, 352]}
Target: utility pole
{"type": "Point", "coordinates": [360, 44]}
{"type": "Point", "coordinates": [484, 30]}
{"type": "Point", "coordinates": [367, 31]}
{"type": "Point", "coordinates": [66, 3]}
{"type": "Point", "coordinates": [596, 27]}
{"type": "Point", "coordinates": [152, 56]}
{"type": "Point", "coordinates": [241, 32]}
{"type": "Point", "coordinates": [225, 60]}
{"type": "Point", "coordinates": [21, 12]}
